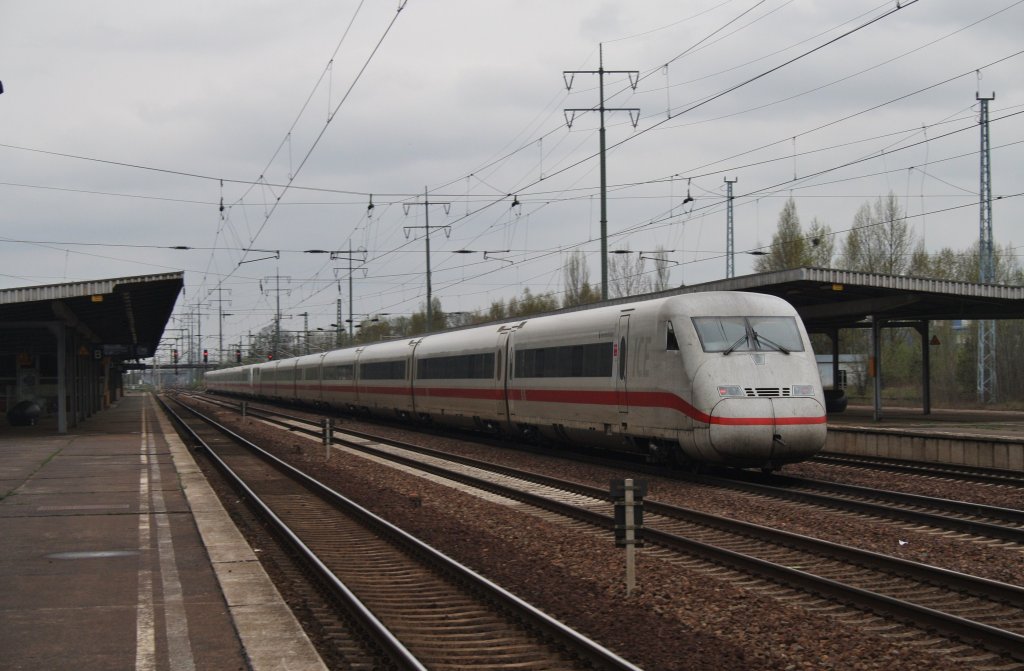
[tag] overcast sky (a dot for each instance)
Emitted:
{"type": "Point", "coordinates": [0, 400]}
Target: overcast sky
{"type": "Point", "coordinates": [125, 125]}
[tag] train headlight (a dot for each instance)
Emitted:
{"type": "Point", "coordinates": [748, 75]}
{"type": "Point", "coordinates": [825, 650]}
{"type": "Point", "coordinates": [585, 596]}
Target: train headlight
{"type": "Point", "coordinates": [803, 390]}
{"type": "Point", "coordinates": [727, 390]}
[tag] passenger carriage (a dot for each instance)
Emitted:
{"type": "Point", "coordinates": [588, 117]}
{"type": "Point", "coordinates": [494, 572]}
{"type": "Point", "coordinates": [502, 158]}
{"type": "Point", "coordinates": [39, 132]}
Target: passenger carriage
{"type": "Point", "coordinates": [383, 378]}
{"type": "Point", "coordinates": [307, 379]}
{"type": "Point", "coordinates": [338, 379]}
{"type": "Point", "coordinates": [460, 377]}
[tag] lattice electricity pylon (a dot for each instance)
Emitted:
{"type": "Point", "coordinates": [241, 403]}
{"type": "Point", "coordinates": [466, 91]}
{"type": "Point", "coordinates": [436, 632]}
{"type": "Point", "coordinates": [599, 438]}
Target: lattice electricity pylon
{"type": "Point", "coordinates": [986, 265]}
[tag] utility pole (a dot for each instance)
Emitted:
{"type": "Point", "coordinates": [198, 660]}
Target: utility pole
{"type": "Point", "coordinates": [199, 341]}
{"type": "Point", "coordinates": [277, 312]}
{"type": "Point", "coordinates": [350, 256]}
{"type": "Point", "coordinates": [305, 331]}
{"type": "Point", "coordinates": [220, 320]}
{"type": "Point", "coordinates": [426, 225]}
{"type": "Point", "coordinates": [730, 245]}
{"type": "Point", "coordinates": [196, 321]}
{"type": "Point", "coordinates": [634, 116]}
{"type": "Point", "coordinates": [277, 315]}
{"type": "Point", "coordinates": [986, 264]}
{"type": "Point", "coordinates": [338, 327]}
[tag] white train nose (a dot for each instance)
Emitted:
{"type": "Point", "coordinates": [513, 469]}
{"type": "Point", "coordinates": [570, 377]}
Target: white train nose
{"type": "Point", "coordinates": [755, 431]}
{"type": "Point", "coordinates": [741, 430]}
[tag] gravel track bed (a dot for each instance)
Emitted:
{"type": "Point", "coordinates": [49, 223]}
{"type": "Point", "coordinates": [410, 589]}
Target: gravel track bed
{"type": "Point", "coordinates": [989, 495]}
{"type": "Point", "coordinates": [988, 559]}
{"type": "Point", "coordinates": [678, 618]}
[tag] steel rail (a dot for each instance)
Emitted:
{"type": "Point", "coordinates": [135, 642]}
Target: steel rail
{"type": "Point", "coordinates": [993, 638]}
{"type": "Point", "coordinates": [971, 632]}
{"type": "Point", "coordinates": [748, 482]}
{"type": "Point", "coordinates": [585, 648]}
{"type": "Point", "coordinates": [993, 476]}
{"type": "Point", "coordinates": [377, 630]}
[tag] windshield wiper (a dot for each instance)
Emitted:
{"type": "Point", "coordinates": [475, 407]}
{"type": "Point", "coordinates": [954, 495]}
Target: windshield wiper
{"type": "Point", "coordinates": [760, 338]}
{"type": "Point", "coordinates": [733, 346]}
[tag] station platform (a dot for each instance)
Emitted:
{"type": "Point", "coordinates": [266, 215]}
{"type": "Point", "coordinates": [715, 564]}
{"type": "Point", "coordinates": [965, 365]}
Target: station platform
{"type": "Point", "coordinates": [972, 422]}
{"type": "Point", "coordinates": [969, 437]}
{"type": "Point", "coordinates": [116, 554]}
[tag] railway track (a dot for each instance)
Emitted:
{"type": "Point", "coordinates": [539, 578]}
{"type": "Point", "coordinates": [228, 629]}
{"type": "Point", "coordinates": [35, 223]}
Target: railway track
{"type": "Point", "coordinates": [970, 610]}
{"type": "Point", "coordinates": [976, 520]}
{"type": "Point", "coordinates": [414, 607]}
{"type": "Point", "coordinates": [987, 476]}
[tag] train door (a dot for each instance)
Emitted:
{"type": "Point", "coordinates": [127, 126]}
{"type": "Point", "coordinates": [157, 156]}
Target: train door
{"type": "Point", "coordinates": [621, 352]}
{"type": "Point", "coordinates": [293, 381]}
{"type": "Point", "coordinates": [507, 340]}
{"type": "Point", "coordinates": [410, 374]}
{"type": "Point", "coordinates": [503, 368]}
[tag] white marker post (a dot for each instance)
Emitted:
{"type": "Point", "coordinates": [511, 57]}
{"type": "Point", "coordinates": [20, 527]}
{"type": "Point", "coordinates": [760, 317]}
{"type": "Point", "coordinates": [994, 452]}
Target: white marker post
{"type": "Point", "coordinates": [630, 540]}
{"type": "Point", "coordinates": [328, 436]}
{"type": "Point", "coordinates": [629, 517]}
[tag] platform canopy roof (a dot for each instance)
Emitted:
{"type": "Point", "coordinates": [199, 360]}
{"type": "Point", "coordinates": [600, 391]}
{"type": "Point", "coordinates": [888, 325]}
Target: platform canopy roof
{"type": "Point", "coordinates": [125, 315]}
{"type": "Point", "coordinates": [828, 299]}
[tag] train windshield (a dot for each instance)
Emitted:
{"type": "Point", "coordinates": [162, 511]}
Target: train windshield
{"type": "Point", "coordinates": [748, 334]}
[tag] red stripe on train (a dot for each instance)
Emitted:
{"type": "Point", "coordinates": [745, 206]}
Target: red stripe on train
{"type": "Point", "coordinates": [634, 399]}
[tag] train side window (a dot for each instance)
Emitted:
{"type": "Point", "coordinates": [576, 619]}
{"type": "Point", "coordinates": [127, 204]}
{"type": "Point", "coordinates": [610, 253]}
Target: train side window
{"type": "Point", "coordinates": [458, 367]}
{"type": "Point", "coordinates": [383, 370]}
{"type": "Point", "coordinates": [671, 344]}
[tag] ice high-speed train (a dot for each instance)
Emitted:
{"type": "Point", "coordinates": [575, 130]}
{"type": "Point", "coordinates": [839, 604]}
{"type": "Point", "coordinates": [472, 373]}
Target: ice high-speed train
{"type": "Point", "coordinates": [718, 377]}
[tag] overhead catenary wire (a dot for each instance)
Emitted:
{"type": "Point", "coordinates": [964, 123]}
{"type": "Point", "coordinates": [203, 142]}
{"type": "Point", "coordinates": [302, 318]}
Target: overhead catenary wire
{"type": "Point", "coordinates": [488, 219]}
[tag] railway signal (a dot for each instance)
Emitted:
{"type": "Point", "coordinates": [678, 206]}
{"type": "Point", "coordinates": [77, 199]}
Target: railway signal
{"type": "Point", "coordinates": [206, 356]}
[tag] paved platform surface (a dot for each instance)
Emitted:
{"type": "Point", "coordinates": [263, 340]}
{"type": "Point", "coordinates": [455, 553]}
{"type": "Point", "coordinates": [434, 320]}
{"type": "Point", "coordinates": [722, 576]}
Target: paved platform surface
{"type": "Point", "coordinates": [968, 423]}
{"type": "Point", "coordinates": [116, 554]}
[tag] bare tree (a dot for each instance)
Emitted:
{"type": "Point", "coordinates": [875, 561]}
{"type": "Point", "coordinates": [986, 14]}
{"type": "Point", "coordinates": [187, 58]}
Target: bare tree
{"type": "Point", "coordinates": [626, 275]}
{"type": "Point", "coordinates": [576, 279]}
{"type": "Point", "coordinates": [822, 245]}
{"type": "Point", "coordinates": [881, 240]}
{"type": "Point", "coordinates": [529, 303]}
{"type": "Point", "coordinates": [789, 247]}
{"type": "Point", "coordinates": [662, 266]}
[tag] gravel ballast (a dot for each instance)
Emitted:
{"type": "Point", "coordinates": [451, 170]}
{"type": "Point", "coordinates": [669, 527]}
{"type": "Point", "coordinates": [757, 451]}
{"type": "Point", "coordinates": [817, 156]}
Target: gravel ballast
{"type": "Point", "coordinates": [679, 617]}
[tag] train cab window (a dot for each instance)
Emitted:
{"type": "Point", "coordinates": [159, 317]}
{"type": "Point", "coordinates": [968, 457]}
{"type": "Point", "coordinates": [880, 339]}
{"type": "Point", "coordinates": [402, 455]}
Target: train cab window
{"type": "Point", "coordinates": [671, 344]}
{"type": "Point", "coordinates": [748, 334]}
{"type": "Point", "coordinates": [776, 333]}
